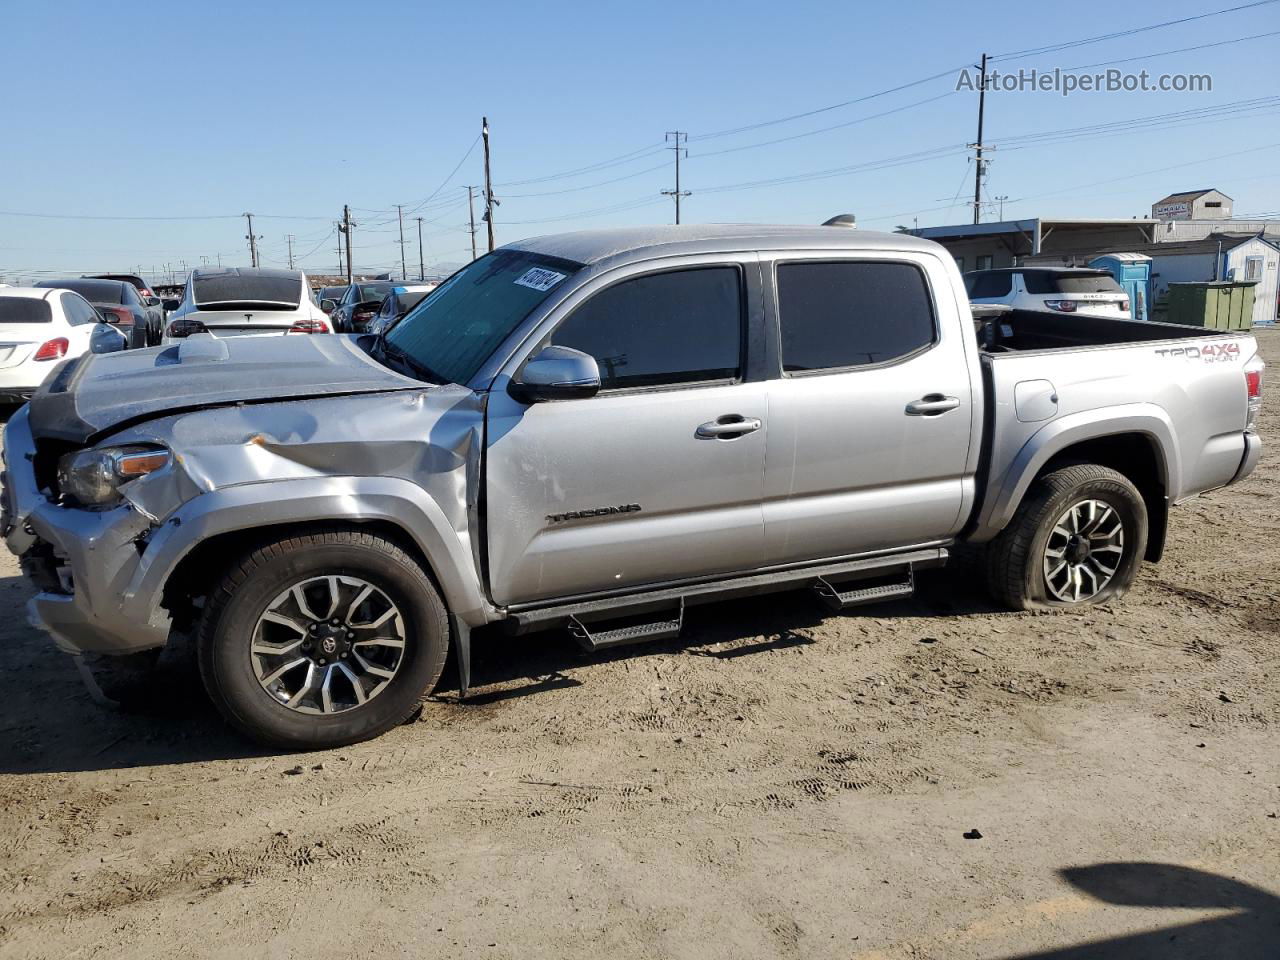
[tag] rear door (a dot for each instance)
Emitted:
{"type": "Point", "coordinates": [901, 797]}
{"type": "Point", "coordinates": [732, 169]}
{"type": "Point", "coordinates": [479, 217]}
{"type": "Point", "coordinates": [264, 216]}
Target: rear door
{"type": "Point", "coordinates": [623, 489]}
{"type": "Point", "coordinates": [870, 424]}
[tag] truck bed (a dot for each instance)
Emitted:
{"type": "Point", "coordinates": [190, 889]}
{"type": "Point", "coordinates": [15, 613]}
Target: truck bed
{"type": "Point", "coordinates": [1174, 397]}
{"type": "Point", "coordinates": [1024, 330]}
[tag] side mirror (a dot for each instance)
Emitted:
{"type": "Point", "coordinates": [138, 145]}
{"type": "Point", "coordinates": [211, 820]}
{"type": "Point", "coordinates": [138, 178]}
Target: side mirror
{"type": "Point", "coordinates": [557, 373]}
{"type": "Point", "coordinates": [106, 339]}
{"type": "Point", "coordinates": [171, 305]}
{"type": "Point", "coordinates": [328, 306]}
{"type": "Point", "coordinates": [152, 301]}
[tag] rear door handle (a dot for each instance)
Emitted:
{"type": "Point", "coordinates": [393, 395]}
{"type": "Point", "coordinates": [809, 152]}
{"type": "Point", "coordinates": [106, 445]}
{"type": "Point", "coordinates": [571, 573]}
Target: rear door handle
{"type": "Point", "coordinates": [931, 405]}
{"type": "Point", "coordinates": [728, 427]}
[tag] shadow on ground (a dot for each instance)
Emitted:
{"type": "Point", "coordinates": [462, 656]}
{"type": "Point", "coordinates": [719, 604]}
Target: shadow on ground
{"type": "Point", "coordinates": [51, 723]}
{"type": "Point", "coordinates": [1248, 929]}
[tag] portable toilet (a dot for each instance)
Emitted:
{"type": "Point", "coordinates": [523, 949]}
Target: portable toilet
{"type": "Point", "coordinates": [1133, 272]}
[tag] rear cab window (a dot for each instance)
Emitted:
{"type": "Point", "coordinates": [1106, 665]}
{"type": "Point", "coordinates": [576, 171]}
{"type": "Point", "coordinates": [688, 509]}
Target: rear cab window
{"type": "Point", "coordinates": [24, 310]}
{"type": "Point", "coordinates": [838, 315]}
{"type": "Point", "coordinates": [674, 328]}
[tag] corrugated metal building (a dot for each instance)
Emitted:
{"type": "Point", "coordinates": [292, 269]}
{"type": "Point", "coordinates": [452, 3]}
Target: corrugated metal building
{"type": "Point", "coordinates": [981, 246]}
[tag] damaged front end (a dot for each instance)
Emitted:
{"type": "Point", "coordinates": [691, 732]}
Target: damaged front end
{"type": "Point", "coordinates": [81, 560]}
{"type": "Point", "coordinates": [117, 536]}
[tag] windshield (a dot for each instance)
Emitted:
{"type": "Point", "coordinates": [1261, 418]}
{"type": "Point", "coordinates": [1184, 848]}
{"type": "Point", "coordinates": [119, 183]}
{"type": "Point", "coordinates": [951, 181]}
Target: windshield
{"type": "Point", "coordinates": [455, 329]}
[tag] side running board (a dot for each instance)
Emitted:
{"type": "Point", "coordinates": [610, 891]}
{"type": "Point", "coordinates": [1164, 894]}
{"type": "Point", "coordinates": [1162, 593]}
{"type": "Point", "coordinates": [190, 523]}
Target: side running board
{"type": "Point", "coordinates": [856, 593]}
{"type": "Point", "coordinates": [611, 620]}
{"type": "Point", "coordinates": [641, 629]}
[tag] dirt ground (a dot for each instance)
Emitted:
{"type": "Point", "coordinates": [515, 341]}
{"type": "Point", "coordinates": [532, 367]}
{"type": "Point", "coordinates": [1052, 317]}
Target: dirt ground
{"type": "Point", "coordinates": [779, 782]}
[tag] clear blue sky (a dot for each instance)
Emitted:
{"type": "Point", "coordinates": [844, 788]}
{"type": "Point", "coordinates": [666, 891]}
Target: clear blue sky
{"type": "Point", "coordinates": [291, 109]}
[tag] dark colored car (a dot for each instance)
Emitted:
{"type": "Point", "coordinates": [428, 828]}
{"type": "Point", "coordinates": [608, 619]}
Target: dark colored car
{"type": "Point", "coordinates": [330, 293]}
{"type": "Point", "coordinates": [150, 298]}
{"type": "Point", "coordinates": [360, 304]}
{"type": "Point", "coordinates": [397, 303]}
{"type": "Point", "coordinates": [120, 305]}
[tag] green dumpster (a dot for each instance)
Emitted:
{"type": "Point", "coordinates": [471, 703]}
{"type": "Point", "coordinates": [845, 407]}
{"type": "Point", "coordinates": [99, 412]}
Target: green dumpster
{"type": "Point", "coordinates": [1219, 305]}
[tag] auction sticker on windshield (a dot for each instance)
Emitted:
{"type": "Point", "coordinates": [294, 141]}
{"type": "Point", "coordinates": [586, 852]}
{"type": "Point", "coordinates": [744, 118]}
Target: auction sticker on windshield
{"type": "Point", "coordinates": [539, 279]}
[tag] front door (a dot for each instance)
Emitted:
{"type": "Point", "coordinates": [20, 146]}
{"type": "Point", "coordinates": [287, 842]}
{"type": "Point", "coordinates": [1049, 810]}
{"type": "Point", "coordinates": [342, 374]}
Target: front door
{"type": "Point", "coordinates": [870, 425]}
{"type": "Point", "coordinates": [640, 484]}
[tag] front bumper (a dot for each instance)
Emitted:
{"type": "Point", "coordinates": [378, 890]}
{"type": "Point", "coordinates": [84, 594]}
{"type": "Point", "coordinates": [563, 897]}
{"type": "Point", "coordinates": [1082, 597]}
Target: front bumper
{"type": "Point", "coordinates": [84, 563]}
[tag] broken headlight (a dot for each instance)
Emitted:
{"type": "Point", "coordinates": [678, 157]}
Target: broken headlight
{"type": "Point", "coordinates": [93, 477]}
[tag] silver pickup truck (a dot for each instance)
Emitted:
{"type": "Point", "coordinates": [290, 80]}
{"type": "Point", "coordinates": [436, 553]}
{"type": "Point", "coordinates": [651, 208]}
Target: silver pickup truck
{"type": "Point", "coordinates": [595, 430]}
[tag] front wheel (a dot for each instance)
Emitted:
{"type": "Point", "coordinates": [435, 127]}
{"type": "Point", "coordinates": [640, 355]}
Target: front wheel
{"type": "Point", "coordinates": [322, 640]}
{"type": "Point", "coordinates": [1077, 539]}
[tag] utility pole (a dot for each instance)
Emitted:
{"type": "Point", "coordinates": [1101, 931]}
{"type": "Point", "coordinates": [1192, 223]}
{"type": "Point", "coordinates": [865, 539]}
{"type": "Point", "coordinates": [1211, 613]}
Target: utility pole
{"type": "Point", "coordinates": [400, 214]}
{"type": "Point", "coordinates": [338, 225]}
{"type": "Point", "coordinates": [422, 269]}
{"type": "Point", "coordinates": [345, 229]}
{"type": "Point", "coordinates": [979, 164]}
{"type": "Point", "coordinates": [472, 208]}
{"type": "Point", "coordinates": [677, 137]}
{"type": "Point", "coordinates": [489, 201]}
{"type": "Point", "coordinates": [253, 241]}
{"type": "Point", "coordinates": [288, 239]}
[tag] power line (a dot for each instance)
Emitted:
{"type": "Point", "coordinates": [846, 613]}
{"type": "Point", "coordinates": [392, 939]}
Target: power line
{"type": "Point", "coordinates": [1054, 47]}
{"type": "Point", "coordinates": [1165, 53]}
{"type": "Point", "coordinates": [834, 126]}
{"type": "Point", "coordinates": [835, 106]}
{"type": "Point", "coordinates": [443, 182]}
{"type": "Point", "coordinates": [648, 151]}
{"type": "Point", "coordinates": [587, 186]}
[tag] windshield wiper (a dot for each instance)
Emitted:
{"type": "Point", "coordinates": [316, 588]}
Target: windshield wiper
{"type": "Point", "coordinates": [416, 367]}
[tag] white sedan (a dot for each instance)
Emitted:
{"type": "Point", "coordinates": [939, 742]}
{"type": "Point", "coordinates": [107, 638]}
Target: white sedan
{"type": "Point", "coordinates": [39, 327]}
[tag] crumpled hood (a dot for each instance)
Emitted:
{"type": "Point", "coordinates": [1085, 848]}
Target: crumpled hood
{"type": "Point", "coordinates": [97, 392]}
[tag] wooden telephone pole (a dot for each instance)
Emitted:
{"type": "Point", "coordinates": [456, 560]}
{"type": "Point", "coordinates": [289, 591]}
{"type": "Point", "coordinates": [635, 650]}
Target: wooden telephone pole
{"type": "Point", "coordinates": [489, 201]}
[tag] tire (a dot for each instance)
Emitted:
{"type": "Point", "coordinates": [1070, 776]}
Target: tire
{"type": "Point", "coordinates": [236, 625]}
{"type": "Point", "coordinates": [1019, 561]}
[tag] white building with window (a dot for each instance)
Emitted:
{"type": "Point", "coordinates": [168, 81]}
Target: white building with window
{"type": "Point", "coordinates": [1219, 256]}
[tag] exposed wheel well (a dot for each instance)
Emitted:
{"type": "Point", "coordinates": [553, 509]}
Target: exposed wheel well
{"type": "Point", "coordinates": [1136, 456]}
{"type": "Point", "coordinates": [200, 570]}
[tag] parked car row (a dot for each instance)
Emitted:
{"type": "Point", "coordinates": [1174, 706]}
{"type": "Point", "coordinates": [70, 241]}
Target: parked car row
{"type": "Point", "coordinates": [62, 318]}
{"type": "Point", "coordinates": [369, 306]}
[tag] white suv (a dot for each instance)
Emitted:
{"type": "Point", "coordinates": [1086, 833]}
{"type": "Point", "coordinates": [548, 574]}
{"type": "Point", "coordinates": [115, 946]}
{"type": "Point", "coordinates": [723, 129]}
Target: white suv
{"type": "Point", "coordinates": [1088, 292]}
{"type": "Point", "coordinates": [245, 301]}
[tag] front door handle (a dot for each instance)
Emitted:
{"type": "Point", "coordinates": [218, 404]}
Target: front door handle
{"type": "Point", "coordinates": [931, 405]}
{"type": "Point", "coordinates": [728, 427]}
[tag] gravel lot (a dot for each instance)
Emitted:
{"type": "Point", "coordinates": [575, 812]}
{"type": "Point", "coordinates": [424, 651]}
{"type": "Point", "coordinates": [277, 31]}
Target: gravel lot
{"type": "Point", "coordinates": [778, 782]}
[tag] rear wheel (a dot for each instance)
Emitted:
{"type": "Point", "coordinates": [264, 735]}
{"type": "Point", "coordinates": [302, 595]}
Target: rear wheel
{"type": "Point", "coordinates": [322, 640]}
{"type": "Point", "coordinates": [1077, 539]}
